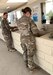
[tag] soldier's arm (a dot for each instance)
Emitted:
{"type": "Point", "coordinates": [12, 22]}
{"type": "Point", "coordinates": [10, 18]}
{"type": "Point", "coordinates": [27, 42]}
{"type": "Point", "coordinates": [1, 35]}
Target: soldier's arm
{"type": "Point", "coordinates": [36, 31]}
{"type": "Point", "coordinates": [4, 25]}
{"type": "Point", "coordinates": [32, 22]}
{"type": "Point", "coordinates": [34, 28]}
{"type": "Point", "coordinates": [9, 27]}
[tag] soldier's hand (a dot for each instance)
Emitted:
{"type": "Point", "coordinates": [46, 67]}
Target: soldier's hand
{"type": "Point", "coordinates": [15, 29]}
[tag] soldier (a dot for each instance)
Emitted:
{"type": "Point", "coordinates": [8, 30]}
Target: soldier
{"type": "Point", "coordinates": [26, 28]}
{"type": "Point", "coordinates": [6, 32]}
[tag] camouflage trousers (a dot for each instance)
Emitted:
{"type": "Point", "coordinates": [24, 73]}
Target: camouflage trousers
{"type": "Point", "coordinates": [8, 40]}
{"type": "Point", "coordinates": [28, 45]}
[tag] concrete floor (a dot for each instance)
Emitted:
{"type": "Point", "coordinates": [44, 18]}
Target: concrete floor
{"type": "Point", "coordinates": [11, 63]}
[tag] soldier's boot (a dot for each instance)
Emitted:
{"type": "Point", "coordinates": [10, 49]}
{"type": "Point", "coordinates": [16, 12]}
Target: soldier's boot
{"type": "Point", "coordinates": [33, 67]}
{"type": "Point", "coordinates": [11, 49]}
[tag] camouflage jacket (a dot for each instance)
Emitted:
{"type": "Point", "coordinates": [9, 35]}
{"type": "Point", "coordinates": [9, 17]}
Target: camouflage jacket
{"type": "Point", "coordinates": [26, 26]}
{"type": "Point", "coordinates": [5, 27]}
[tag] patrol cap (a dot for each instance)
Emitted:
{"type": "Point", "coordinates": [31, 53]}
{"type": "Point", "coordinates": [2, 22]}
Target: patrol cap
{"type": "Point", "coordinates": [27, 9]}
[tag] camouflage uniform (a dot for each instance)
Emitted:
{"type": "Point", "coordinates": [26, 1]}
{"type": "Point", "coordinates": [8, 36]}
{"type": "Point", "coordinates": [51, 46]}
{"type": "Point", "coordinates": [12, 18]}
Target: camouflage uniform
{"type": "Point", "coordinates": [7, 33]}
{"type": "Point", "coordinates": [26, 28]}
